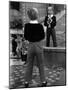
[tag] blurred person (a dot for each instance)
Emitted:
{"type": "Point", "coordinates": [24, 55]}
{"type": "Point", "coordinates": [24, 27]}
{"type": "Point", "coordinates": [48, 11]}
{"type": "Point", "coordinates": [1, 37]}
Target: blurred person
{"type": "Point", "coordinates": [19, 46]}
{"type": "Point", "coordinates": [34, 34]}
{"type": "Point", "coordinates": [50, 23]}
{"type": "Point", "coordinates": [14, 46]}
{"type": "Point", "coordinates": [24, 51]}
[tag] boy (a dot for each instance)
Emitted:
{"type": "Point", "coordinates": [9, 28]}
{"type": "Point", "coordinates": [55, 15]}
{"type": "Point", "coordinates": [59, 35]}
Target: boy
{"type": "Point", "coordinates": [50, 23]}
{"type": "Point", "coordinates": [34, 34]}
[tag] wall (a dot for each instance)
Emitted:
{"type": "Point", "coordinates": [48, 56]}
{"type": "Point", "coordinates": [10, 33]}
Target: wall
{"type": "Point", "coordinates": [55, 56]}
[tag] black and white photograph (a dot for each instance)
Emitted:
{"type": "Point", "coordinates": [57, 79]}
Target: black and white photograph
{"type": "Point", "coordinates": [37, 44]}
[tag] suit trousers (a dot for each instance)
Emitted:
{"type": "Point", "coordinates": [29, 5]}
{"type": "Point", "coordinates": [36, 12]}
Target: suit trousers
{"type": "Point", "coordinates": [35, 50]}
{"type": "Point", "coordinates": [51, 32]}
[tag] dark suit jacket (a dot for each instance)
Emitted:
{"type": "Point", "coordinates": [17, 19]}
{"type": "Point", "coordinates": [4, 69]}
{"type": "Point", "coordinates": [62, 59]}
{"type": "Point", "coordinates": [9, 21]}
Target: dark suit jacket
{"type": "Point", "coordinates": [53, 23]}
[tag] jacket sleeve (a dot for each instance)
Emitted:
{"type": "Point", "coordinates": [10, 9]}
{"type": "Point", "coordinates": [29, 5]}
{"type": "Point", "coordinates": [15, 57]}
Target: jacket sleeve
{"type": "Point", "coordinates": [45, 22]}
{"type": "Point", "coordinates": [25, 32]}
{"type": "Point", "coordinates": [53, 24]}
{"type": "Point", "coordinates": [42, 32]}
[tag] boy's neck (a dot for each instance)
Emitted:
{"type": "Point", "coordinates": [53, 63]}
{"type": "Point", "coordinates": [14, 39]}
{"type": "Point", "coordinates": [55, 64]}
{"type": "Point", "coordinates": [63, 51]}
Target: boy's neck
{"type": "Point", "coordinates": [34, 21]}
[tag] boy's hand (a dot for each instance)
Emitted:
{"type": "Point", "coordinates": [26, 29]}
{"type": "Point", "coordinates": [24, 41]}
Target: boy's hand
{"type": "Point", "coordinates": [26, 41]}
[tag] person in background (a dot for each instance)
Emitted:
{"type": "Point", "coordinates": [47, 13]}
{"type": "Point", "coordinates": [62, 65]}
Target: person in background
{"type": "Point", "coordinates": [19, 46]}
{"type": "Point", "coordinates": [24, 51]}
{"type": "Point", "coordinates": [50, 23]}
{"type": "Point", "coordinates": [34, 34]}
{"type": "Point", "coordinates": [14, 46]}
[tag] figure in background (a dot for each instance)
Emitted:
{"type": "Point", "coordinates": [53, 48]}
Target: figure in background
{"type": "Point", "coordinates": [50, 23]}
{"type": "Point", "coordinates": [19, 45]}
{"type": "Point", "coordinates": [21, 48]}
{"type": "Point", "coordinates": [14, 46]}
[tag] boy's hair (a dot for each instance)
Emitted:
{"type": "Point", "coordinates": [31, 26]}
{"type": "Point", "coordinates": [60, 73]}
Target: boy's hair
{"type": "Point", "coordinates": [50, 7]}
{"type": "Point", "coordinates": [32, 13]}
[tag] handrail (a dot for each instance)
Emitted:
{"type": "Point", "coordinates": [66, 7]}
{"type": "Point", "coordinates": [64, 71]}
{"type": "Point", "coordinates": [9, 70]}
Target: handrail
{"type": "Point", "coordinates": [55, 49]}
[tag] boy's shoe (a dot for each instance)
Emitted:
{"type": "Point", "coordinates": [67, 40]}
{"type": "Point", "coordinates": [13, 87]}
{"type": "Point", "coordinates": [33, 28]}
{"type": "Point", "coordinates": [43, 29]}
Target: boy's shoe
{"type": "Point", "coordinates": [26, 84]}
{"type": "Point", "coordinates": [44, 84]}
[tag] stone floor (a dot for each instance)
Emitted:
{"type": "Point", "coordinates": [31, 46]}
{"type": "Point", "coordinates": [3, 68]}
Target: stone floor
{"type": "Point", "coordinates": [54, 76]}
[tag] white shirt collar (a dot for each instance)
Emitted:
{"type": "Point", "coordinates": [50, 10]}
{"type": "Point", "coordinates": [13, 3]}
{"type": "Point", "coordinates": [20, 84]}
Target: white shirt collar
{"type": "Point", "coordinates": [34, 22]}
{"type": "Point", "coordinates": [50, 16]}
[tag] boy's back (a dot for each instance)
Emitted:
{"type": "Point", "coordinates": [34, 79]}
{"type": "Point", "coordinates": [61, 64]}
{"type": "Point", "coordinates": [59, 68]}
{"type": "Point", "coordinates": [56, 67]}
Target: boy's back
{"type": "Point", "coordinates": [34, 32]}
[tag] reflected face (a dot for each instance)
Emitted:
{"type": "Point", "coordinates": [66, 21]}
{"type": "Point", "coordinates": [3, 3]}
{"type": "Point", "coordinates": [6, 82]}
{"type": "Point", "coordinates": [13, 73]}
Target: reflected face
{"type": "Point", "coordinates": [50, 10]}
